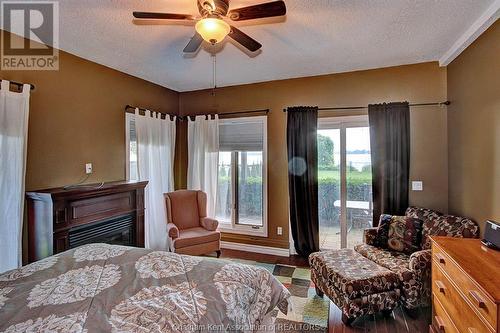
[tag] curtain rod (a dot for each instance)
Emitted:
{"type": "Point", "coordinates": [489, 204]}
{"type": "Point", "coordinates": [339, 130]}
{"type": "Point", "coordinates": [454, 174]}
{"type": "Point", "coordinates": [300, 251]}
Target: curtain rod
{"type": "Point", "coordinates": [366, 107]}
{"type": "Point", "coordinates": [266, 111]}
{"type": "Point", "coordinates": [130, 107]}
{"type": "Point", "coordinates": [19, 84]}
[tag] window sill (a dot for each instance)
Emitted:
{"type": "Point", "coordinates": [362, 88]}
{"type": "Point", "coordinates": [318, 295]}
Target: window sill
{"type": "Point", "coordinates": [242, 230]}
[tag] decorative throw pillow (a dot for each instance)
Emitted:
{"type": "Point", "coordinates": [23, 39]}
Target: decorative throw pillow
{"type": "Point", "coordinates": [383, 230]}
{"type": "Point", "coordinates": [405, 234]}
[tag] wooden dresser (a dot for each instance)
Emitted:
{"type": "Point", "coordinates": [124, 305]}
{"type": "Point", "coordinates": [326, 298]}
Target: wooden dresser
{"type": "Point", "coordinates": [465, 286]}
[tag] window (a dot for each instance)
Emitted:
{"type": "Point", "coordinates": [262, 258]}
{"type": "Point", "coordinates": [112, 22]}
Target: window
{"type": "Point", "coordinates": [131, 147]}
{"type": "Point", "coordinates": [242, 189]}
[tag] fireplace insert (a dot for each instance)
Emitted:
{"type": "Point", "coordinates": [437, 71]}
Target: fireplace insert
{"type": "Point", "coordinates": [118, 231]}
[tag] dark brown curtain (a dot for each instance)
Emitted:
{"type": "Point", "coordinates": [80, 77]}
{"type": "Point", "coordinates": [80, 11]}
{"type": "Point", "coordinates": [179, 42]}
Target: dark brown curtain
{"type": "Point", "coordinates": [390, 150]}
{"type": "Point", "coordinates": [302, 127]}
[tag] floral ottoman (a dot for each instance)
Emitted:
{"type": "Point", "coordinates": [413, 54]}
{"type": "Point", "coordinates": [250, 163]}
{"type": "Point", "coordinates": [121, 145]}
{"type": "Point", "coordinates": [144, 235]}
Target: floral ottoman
{"type": "Point", "coordinates": [357, 285]}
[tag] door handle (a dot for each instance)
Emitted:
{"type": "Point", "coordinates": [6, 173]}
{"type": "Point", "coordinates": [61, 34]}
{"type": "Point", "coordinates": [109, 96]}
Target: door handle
{"type": "Point", "coordinates": [440, 258]}
{"type": "Point", "coordinates": [440, 285]}
{"type": "Point", "coordinates": [479, 301]}
{"type": "Point", "coordinates": [440, 323]}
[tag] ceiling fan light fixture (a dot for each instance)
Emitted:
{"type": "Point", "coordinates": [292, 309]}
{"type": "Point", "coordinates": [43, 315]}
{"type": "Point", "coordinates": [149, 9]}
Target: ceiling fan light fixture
{"type": "Point", "coordinates": [213, 30]}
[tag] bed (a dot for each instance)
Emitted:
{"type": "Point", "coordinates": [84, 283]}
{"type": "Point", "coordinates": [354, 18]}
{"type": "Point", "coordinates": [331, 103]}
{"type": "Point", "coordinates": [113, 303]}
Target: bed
{"type": "Point", "coordinates": [110, 288]}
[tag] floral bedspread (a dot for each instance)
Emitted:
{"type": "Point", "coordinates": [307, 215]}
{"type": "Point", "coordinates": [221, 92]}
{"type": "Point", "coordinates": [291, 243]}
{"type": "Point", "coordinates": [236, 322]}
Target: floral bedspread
{"type": "Point", "coordinates": [109, 288]}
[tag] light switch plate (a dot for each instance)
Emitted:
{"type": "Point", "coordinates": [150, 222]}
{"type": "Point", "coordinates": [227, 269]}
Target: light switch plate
{"type": "Point", "coordinates": [88, 168]}
{"type": "Point", "coordinates": [280, 231]}
{"type": "Point", "coordinates": [417, 185]}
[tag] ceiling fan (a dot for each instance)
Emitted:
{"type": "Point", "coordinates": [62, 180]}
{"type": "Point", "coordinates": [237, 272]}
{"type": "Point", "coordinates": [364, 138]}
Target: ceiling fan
{"type": "Point", "coordinates": [211, 25]}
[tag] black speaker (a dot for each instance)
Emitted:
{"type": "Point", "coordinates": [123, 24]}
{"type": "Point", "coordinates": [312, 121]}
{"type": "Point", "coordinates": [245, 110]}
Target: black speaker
{"type": "Point", "coordinates": [492, 235]}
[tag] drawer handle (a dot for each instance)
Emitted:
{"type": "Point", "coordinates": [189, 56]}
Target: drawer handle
{"type": "Point", "coordinates": [479, 301]}
{"type": "Point", "coordinates": [440, 285]}
{"type": "Point", "coordinates": [440, 323]}
{"type": "Point", "coordinates": [440, 258]}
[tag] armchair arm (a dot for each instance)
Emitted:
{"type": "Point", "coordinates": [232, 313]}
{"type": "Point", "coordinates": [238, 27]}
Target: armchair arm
{"type": "Point", "coordinates": [420, 268]}
{"type": "Point", "coordinates": [209, 224]}
{"type": "Point", "coordinates": [420, 262]}
{"type": "Point", "coordinates": [370, 236]}
{"type": "Point", "coordinates": [172, 230]}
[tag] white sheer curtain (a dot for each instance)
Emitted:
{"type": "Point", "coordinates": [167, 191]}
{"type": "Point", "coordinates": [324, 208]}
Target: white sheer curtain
{"type": "Point", "coordinates": [155, 163]}
{"type": "Point", "coordinates": [14, 111]}
{"type": "Point", "coordinates": [203, 158]}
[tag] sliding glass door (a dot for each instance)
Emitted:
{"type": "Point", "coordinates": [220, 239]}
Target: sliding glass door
{"type": "Point", "coordinates": [329, 187]}
{"type": "Point", "coordinates": [344, 181]}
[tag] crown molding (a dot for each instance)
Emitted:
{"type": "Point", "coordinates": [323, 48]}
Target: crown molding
{"type": "Point", "coordinates": [475, 30]}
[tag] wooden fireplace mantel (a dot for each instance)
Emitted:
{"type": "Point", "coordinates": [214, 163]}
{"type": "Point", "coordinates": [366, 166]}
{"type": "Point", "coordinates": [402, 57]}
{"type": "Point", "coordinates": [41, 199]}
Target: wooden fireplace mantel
{"type": "Point", "coordinates": [54, 213]}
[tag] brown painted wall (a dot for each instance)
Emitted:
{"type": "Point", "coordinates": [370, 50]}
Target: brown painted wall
{"type": "Point", "coordinates": [474, 129]}
{"type": "Point", "coordinates": [415, 83]}
{"type": "Point", "coordinates": [77, 116]}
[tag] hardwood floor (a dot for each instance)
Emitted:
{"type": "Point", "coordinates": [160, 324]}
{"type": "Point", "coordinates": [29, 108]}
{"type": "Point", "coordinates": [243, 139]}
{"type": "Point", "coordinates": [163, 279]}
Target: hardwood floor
{"type": "Point", "coordinates": [399, 322]}
{"type": "Point", "coordinates": [265, 258]}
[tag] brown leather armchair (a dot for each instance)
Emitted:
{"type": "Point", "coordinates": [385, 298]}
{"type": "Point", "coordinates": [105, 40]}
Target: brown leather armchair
{"type": "Point", "coordinates": [189, 229]}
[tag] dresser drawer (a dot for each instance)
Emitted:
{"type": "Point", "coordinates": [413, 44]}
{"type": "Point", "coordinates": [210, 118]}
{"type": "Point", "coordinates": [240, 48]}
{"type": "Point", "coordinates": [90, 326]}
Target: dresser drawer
{"type": "Point", "coordinates": [441, 322]}
{"type": "Point", "coordinates": [464, 318]}
{"type": "Point", "coordinates": [486, 307]}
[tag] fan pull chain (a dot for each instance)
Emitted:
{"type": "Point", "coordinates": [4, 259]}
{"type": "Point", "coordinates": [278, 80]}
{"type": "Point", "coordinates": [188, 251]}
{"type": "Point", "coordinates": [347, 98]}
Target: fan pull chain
{"type": "Point", "coordinates": [214, 78]}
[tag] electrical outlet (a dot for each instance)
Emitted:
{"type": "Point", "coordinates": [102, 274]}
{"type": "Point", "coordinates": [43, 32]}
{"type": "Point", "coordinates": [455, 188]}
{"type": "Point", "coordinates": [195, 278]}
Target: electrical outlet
{"type": "Point", "coordinates": [280, 231]}
{"type": "Point", "coordinates": [88, 168]}
{"type": "Point", "coordinates": [417, 185]}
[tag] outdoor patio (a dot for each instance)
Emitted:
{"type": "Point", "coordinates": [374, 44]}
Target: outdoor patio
{"type": "Point", "coordinates": [329, 237]}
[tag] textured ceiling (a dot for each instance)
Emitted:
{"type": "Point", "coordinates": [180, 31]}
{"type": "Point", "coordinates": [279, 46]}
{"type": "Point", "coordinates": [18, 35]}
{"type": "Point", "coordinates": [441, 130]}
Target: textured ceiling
{"type": "Point", "coordinates": [316, 37]}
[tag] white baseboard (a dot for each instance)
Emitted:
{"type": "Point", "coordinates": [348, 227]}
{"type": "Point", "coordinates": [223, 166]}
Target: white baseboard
{"type": "Point", "coordinates": [255, 248]}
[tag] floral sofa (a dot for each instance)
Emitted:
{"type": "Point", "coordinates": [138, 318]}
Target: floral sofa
{"type": "Point", "coordinates": [414, 269]}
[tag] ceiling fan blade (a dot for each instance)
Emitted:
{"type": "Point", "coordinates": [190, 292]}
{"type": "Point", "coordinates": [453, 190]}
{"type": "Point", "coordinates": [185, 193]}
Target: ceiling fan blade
{"type": "Point", "coordinates": [268, 9]}
{"type": "Point", "coordinates": [162, 16]}
{"type": "Point", "coordinates": [245, 40]}
{"type": "Point", "coordinates": [194, 44]}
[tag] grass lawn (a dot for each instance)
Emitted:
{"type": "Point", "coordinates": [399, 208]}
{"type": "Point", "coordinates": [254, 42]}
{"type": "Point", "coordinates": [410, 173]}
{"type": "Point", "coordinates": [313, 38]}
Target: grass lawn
{"type": "Point", "coordinates": [324, 176]}
{"type": "Point", "coordinates": [353, 177]}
